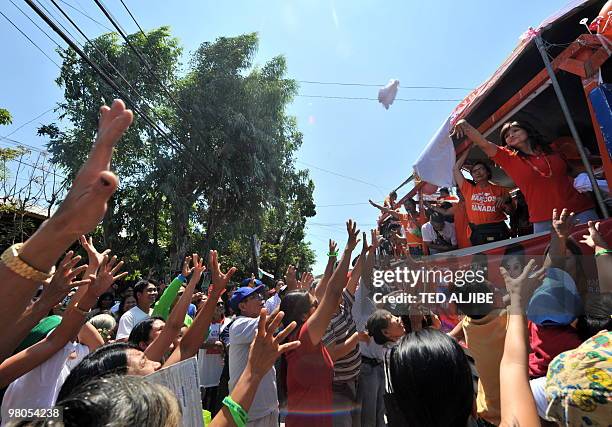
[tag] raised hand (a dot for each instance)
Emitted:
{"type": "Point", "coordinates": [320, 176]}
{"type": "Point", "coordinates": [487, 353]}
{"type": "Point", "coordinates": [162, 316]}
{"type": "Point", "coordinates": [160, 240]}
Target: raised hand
{"type": "Point", "coordinates": [64, 280]}
{"type": "Point", "coordinates": [594, 239]}
{"type": "Point", "coordinates": [364, 247]}
{"type": "Point", "coordinates": [94, 257]}
{"type": "Point", "coordinates": [107, 275]}
{"type": "Point", "coordinates": [266, 347]}
{"type": "Point", "coordinates": [375, 237]}
{"type": "Point", "coordinates": [186, 270]}
{"type": "Point", "coordinates": [306, 280]}
{"type": "Point", "coordinates": [333, 247]}
{"type": "Point", "coordinates": [462, 128]}
{"type": "Point", "coordinates": [219, 279]}
{"type": "Point", "coordinates": [522, 287]}
{"type": "Point", "coordinates": [290, 278]}
{"type": "Point", "coordinates": [563, 223]}
{"type": "Point", "coordinates": [198, 267]}
{"type": "Point", "coordinates": [353, 232]}
{"type": "Point", "coordinates": [85, 204]}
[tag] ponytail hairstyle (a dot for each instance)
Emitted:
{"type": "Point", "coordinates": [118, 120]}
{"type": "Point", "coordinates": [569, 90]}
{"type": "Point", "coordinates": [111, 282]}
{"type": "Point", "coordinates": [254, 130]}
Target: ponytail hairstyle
{"type": "Point", "coordinates": [536, 140]}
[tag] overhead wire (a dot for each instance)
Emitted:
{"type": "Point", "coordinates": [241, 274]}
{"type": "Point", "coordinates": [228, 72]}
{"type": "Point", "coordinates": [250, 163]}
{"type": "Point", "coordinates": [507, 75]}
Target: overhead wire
{"type": "Point", "coordinates": [340, 175]}
{"type": "Point", "coordinates": [143, 60]}
{"type": "Point", "coordinates": [102, 74]}
{"type": "Point", "coordinates": [86, 15]}
{"type": "Point", "coordinates": [133, 18]}
{"type": "Point", "coordinates": [313, 82]}
{"type": "Point", "coordinates": [376, 99]}
{"type": "Point", "coordinates": [26, 123]}
{"type": "Point", "coordinates": [36, 24]}
{"type": "Point", "coordinates": [30, 40]}
{"type": "Point", "coordinates": [105, 58]}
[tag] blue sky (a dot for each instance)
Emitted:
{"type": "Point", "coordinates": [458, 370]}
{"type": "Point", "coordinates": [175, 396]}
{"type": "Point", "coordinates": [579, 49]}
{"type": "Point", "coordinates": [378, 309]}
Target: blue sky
{"type": "Point", "coordinates": [421, 43]}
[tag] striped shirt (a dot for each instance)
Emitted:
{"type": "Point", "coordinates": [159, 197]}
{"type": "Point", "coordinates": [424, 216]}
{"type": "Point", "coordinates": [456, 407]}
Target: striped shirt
{"type": "Point", "coordinates": [342, 327]}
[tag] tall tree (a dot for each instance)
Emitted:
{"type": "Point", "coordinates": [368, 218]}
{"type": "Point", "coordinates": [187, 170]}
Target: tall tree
{"type": "Point", "coordinates": [231, 164]}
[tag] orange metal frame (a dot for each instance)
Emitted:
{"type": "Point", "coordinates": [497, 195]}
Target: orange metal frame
{"type": "Point", "coordinates": [583, 57]}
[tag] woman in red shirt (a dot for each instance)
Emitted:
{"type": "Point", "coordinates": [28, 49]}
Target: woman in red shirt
{"type": "Point", "coordinates": [540, 174]}
{"type": "Point", "coordinates": [309, 368]}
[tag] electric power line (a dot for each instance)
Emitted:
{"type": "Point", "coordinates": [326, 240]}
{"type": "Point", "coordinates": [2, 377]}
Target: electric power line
{"type": "Point", "coordinates": [26, 123]}
{"type": "Point", "coordinates": [100, 72]}
{"type": "Point", "coordinates": [340, 175]}
{"type": "Point", "coordinates": [376, 99]}
{"type": "Point", "coordinates": [380, 85]}
{"type": "Point", "coordinates": [86, 15]}
{"type": "Point", "coordinates": [33, 22]}
{"type": "Point", "coordinates": [30, 40]}
{"type": "Point", "coordinates": [342, 204]}
{"type": "Point", "coordinates": [133, 19]}
{"type": "Point", "coordinates": [103, 56]}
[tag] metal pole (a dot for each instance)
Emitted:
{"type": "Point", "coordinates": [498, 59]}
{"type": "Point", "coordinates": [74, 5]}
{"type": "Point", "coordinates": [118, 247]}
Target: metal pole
{"type": "Point", "coordinates": [572, 125]}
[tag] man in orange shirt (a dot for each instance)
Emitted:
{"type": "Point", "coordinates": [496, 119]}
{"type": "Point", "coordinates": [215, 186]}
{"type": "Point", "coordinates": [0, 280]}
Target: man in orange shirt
{"type": "Point", "coordinates": [486, 203]}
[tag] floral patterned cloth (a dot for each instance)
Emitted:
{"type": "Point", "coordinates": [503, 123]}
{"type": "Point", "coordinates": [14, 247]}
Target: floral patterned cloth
{"type": "Point", "coordinates": [579, 384]}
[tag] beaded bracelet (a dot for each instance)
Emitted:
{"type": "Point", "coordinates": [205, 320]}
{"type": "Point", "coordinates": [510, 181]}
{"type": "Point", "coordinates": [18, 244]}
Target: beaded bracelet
{"type": "Point", "coordinates": [239, 415]}
{"type": "Point", "coordinates": [603, 252]}
{"type": "Point", "coordinates": [333, 254]}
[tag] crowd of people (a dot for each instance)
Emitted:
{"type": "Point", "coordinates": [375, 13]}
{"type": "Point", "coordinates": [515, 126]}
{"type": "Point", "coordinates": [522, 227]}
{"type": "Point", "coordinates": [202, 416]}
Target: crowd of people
{"type": "Point", "coordinates": [313, 352]}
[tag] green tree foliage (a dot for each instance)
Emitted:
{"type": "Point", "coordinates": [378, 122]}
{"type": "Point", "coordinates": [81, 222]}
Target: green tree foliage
{"type": "Point", "coordinates": [5, 117]}
{"type": "Point", "coordinates": [233, 174]}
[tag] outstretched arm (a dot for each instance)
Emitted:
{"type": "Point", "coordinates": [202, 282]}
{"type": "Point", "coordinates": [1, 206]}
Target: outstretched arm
{"type": "Point", "coordinates": [604, 260]}
{"type": "Point", "coordinates": [383, 209]}
{"type": "Point", "coordinates": [459, 179]}
{"type": "Point", "coordinates": [266, 348]}
{"type": "Point", "coordinates": [74, 318]}
{"type": "Point", "coordinates": [329, 269]}
{"type": "Point", "coordinates": [517, 403]}
{"type": "Point", "coordinates": [81, 210]}
{"type": "Point", "coordinates": [176, 319]}
{"type": "Point", "coordinates": [464, 129]}
{"type": "Point", "coordinates": [198, 331]}
{"type": "Point", "coordinates": [318, 322]}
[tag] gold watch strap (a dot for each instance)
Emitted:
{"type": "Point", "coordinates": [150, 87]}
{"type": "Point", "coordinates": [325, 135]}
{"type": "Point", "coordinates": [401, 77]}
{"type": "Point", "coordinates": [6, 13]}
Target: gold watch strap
{"type": "Point", "coordinates": [10, 258]}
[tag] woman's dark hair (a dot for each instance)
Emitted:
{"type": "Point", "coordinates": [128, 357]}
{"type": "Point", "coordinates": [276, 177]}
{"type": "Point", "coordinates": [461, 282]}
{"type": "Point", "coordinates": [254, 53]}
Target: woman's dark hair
{"type": "Point", "coordinates": [142, 331]}
{"type": "Point", "coordinates": [486, 166]}
{"type": "Point", "coordinates": [110, 359]}
{"type": "Point", "coordinates": [431, 381]}
{"type": "Point", "coordinates": [295, 305]}
{"type": "Point", "coordinates": [105, 295]}
{"type": "Point", "coordinates": [377, 322]}
{"type": "Point", "coordinates": [536, 140]}
{"type": "Point", "coordinates": [120, 401]}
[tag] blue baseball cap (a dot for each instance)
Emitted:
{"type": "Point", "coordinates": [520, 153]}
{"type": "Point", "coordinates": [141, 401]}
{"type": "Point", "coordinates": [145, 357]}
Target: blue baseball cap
{"type": "Point", "coordinates": [246, 282]}
{"type": "Point", "coordinates": [241, 294]}
{"type": "Point", "coordinates": [556, 301]}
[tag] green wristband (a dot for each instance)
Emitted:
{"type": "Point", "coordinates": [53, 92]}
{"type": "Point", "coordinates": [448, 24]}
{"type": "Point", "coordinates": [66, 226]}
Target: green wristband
{"type": "Point", "coordinates": [239, 415]}
{"type": "Point", "coordinates": [603, 252]}
{"type": "Point", "coordinates": [333, 254]}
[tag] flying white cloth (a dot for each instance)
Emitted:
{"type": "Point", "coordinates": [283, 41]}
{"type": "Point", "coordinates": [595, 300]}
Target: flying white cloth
{"type": "Point", "coordinates": [387, 94]}
{"type": "Point", "coordinates": [436, 162]}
